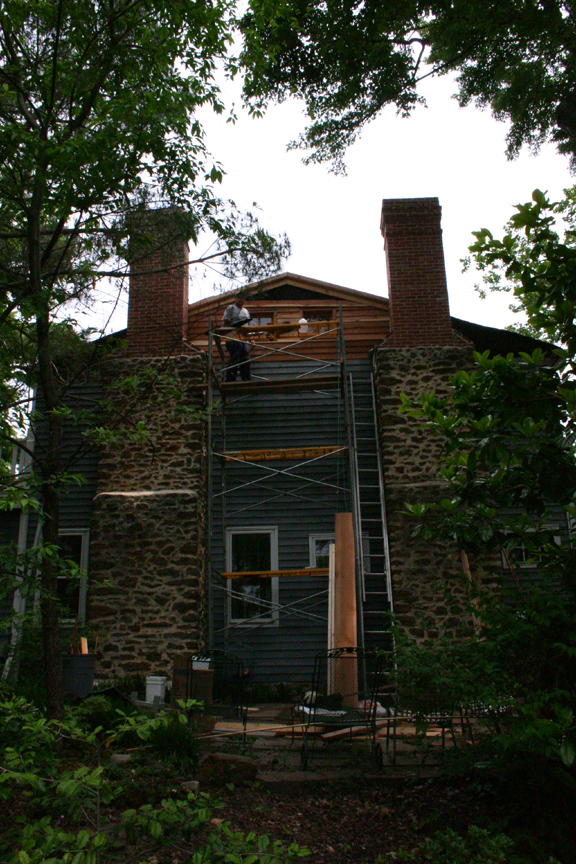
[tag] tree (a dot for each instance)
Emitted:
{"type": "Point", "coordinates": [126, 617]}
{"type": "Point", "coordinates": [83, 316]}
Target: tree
{"type": "Point", "coordinates": [507, 427]}
{"type": "Point", "coordinates": [348, 60]}
{"type": "Point", "coordinates": [536, 262]}
{"type": "Point", "coordinates": [97, 122]}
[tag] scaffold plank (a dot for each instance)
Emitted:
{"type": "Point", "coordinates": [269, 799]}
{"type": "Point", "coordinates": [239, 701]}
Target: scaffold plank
{"type": "Point", "coordinates": [268, 455]}
{"type": "Point", "coordinates": [273, 574]}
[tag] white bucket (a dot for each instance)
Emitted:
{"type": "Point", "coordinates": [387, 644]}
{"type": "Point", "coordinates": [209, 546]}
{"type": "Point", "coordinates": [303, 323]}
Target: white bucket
{"type": "Point", "coordinates": [155, 686]}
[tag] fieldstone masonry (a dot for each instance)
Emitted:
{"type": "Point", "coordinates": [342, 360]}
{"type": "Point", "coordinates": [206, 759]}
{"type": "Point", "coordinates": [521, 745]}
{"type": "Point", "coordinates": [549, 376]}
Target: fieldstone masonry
{"type": "Point", "coordinates": [148, 543]}
{"type": "Point", "coordinates": [410, 458]}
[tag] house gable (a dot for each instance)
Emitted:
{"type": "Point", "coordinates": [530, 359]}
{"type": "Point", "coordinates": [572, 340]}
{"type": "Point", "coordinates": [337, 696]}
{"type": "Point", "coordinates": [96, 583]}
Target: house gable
{"type": "Point", "coordinates": [287, 298]}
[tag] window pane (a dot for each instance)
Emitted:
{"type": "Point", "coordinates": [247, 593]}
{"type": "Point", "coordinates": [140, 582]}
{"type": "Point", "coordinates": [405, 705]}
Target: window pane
{"type": "Point", "coordinates": [250, 552]}
{"type": "Point", "coordinates": [317, 314]}
{"type": "Point", "coordinates": [252, 590]}
{"type": "Point", "coordinates": [323, 552]}
{"type": "Point", "coordinates": [69, 589]}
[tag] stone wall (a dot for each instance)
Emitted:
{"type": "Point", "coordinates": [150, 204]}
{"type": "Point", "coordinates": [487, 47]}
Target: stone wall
{"type": "Point", "coordinates": [146, 597]}
{"type": "Point", "coordinates": [411, 458]}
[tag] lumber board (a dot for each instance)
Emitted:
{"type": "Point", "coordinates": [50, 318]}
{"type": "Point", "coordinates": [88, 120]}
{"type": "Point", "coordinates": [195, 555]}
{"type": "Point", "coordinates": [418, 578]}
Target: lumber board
{"type": "Point", "coordinates": [353, 731]}
{"type": "Point", "coordinates": [285, 453]}
{"type": "Point", "coordinates": [273, 574]}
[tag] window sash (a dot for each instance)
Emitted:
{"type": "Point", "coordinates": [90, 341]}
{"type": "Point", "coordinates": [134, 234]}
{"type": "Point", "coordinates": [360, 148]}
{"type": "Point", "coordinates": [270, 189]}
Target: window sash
{"type": "Point", "coordinates": [271, 584]}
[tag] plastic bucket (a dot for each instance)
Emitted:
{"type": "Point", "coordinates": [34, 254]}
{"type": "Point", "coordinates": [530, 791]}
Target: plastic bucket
{"type": "Point", "coordinates": [155, 686]}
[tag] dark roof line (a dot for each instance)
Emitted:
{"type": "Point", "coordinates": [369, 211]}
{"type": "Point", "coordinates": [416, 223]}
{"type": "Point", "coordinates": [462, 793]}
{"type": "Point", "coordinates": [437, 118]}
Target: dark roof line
{"type": "Point", "coordinates": [499, 341]}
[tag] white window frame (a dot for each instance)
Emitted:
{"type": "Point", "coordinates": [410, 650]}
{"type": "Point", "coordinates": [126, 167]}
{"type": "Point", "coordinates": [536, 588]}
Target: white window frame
{"type": "Point", "coordinates": [84, 557]}
{"type": "Point", "coordinates": [312, 538]}
{"type": "Point", "coordinates": [271, 620]}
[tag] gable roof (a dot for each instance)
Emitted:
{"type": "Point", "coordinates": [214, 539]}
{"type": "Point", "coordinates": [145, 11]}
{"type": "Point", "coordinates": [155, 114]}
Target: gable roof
{"type": "Point", "coordinates": [314, 287]}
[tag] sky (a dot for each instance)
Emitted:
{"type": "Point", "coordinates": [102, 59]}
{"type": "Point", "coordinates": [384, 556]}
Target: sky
{"type": "Point", "coordinates": [333, 222]}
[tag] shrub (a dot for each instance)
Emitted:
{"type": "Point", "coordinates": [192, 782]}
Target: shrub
{"type": "Point", "coordinates": [448, 847]}
{"type": "Point", "coordinates": [173, 739]}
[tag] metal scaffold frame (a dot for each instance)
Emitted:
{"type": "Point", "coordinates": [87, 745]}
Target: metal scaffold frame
{"type": "Point", "coordinates": [304, 456]}
{"type": "Point", "coordinates": [316, 380]}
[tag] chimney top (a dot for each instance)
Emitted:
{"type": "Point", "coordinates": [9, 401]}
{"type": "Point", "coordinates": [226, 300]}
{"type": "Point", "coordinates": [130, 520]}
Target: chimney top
{"type": "Point", "coordinates": [418, 293]}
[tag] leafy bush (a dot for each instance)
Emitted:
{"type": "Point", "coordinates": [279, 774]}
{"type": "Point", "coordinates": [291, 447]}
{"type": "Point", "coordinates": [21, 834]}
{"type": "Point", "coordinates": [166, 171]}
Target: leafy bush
{"type": "Point", "coordinates": [229, 846]}
{"type": "Point", "coordinates": [172, 738]}
{"type": "Point", "coordinates": [95, 711]}
{"type": "Point", "coordinates": [64, 799]}
{"type": "Point", "coordinates": [448, 847]}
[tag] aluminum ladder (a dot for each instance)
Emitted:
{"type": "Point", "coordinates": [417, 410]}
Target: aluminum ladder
{"type": "Point", "coordinates": [369, 507]}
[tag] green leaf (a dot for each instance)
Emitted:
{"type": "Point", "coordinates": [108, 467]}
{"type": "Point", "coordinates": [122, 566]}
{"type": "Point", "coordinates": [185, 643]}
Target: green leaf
{"type": "Point", "coordinates": [567, 752]}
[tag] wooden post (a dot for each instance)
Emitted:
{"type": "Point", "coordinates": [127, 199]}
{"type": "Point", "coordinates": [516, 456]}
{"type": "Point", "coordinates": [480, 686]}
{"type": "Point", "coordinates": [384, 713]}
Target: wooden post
{"type": "Point", "coordinates": [331, 575]}
{"type": "Point", "coordinates": [345, 632]}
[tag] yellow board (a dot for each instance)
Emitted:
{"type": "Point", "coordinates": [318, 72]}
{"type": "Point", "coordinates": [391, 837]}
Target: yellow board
{"type": "Point", "coordinates": [272, 574]}
{"type": "Point", "coordinates": [285, 453]}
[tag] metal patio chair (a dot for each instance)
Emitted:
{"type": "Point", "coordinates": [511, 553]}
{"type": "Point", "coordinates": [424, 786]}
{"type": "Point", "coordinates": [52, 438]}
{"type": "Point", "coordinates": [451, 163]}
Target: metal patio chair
{"type": "Point", "coordinates": [424, 709]}
{"type": "Point", "coordinates": [364, 678]}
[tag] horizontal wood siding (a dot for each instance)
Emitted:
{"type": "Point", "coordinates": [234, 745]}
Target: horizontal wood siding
{"type": "Point", "coordinates": [533, 574]}
{"type": "Point", "coordinates": [284, 652]}
{"type": "Point", "coordinates": [365, 325]}
{"type": "Point", "coordinates": [79, 459]}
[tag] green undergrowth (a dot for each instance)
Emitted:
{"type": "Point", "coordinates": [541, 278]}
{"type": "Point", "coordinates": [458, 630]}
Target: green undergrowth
{"type": "Point", "coordinates": [64, 802]}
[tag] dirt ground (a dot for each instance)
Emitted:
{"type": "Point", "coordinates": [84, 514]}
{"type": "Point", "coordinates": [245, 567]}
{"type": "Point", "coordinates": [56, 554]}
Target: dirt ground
{"type": "Point", "coordinates": [354, 821]}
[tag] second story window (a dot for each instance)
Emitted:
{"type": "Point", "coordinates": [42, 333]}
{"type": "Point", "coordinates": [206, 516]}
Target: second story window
{"type": "Point", "coordinates": [317, 314]}
{"type": "Point", "coordinates": [261, 319]}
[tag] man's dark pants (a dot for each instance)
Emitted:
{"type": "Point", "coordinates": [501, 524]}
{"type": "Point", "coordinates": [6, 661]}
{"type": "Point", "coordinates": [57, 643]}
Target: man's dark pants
{"type": "Point", "coordinates": [238, 354]}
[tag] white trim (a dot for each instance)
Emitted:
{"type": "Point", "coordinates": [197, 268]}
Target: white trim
{"type": "Point", "coordinates": [273, 619]}
{"type": "Point", "coordinates": [312, 538]}
{"type": "Point", "coordinates": [84, 556]}
{"type": "Point", "coordinates": [331, 537]}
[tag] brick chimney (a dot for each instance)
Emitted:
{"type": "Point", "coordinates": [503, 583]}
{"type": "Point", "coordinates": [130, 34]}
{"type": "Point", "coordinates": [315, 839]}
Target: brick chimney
{"type": "Point", "coordinates": [158, 298]}
{"type": "Point", "coordinates": [419, 311]}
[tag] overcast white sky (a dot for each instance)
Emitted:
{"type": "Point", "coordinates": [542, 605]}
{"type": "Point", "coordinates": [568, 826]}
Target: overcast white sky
{"type": "Point", "coordinates": [333, 222]}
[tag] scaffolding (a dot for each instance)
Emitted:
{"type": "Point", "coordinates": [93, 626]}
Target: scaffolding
{"type": "Point", "coordinates": [330, 379]}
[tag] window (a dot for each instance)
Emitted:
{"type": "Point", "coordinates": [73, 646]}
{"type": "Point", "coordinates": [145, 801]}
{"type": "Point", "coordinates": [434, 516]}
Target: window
{"type": "Point", "coordinates": [320, 545]}
{"type": "Point", "coordinates": [260, 320]}
{"type": "Point", "coordinates": [520, 556]}
{"type": "Point", "coordinates": [72, 592]}
{"type": "Point", "coordinates": [252, 597]}
{"type": "Point", "coordinates": [319, 549]}
{"type": "Point", "coordinates": [320, 317]}
{"type": "Point", "coordinates": [317, 314]}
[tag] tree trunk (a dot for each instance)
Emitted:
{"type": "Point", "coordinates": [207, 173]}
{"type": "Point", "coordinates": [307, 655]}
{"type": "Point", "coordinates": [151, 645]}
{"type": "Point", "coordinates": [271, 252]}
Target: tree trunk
{"type": "Point", "coordinates": [50, 464]}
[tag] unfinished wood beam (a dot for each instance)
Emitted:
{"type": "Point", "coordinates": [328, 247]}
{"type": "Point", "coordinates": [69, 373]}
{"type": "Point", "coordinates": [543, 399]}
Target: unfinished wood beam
{"type": "Point", "coordinates": [345, 622]}
{"type": "Point", "coordinates": [351, 731]}
{"type": "Point", "coordinates": [284, 453]}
